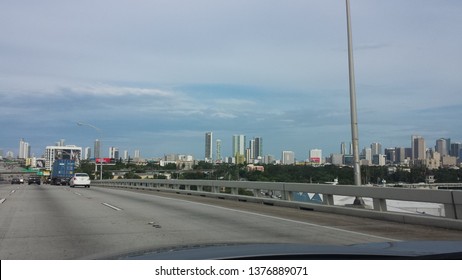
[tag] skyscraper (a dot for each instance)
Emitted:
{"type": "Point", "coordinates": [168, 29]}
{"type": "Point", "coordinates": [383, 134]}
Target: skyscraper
{"type": "Point", "coordinates": [97, 150]}
{"type": "Point", "coordinates": [238, 145]}
{"type": "Point", "coordinates": [342, 148]}
{"type": "Point", "coordinates": [442, 146]}
{"type": "Point", "coordinates": [376, 148]}
{"type": "Point", "coordinates": [208, 146]}
{"type": "Point", "coordinates": [218, 152]}
{"type": "Point", "coordinates": [114, 152]}
{"type": "Point", "coordinates": [250, 154]}
{"type": "Point", "coordinates": [87, 153]}
{"type": "Point", "coordinates": [288, 157]}
{"type": "Point", "coordinates": [455, 149]}
{"type": "Point", "coordinates": [258, 148]}
{"type": "Point", "coordinates": [418, 148]}
{"type": "Point", "coordinates": [24, 149]}
{"type": "Point", "coordinates": [137, 155]}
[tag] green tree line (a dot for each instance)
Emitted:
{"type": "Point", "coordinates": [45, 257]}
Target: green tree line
{"type": "Point", "coordinates": [281, 173]}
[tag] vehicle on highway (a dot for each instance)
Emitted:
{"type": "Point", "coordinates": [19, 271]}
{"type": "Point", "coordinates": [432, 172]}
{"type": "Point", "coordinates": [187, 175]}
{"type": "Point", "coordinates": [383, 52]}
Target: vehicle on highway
{"type": "Point", "coordinates": [62, 171]}
{"type": "Point", "coordinates": [80, 179]}
{"type": "Point", "coordinates": [15, 181]}
{"type": "Point", "coordinates": [34, 180]}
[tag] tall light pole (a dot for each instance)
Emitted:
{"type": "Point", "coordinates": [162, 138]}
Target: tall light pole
{"type": "Point", "coordinates": [354, 118]}
{"type": "Point", "coordinates": [99, 152]}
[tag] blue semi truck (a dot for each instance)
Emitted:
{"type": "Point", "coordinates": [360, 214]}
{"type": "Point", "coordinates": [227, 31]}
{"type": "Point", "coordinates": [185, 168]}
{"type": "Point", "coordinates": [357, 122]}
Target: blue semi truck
{"type": "Point", "coordinates": [62, 171]}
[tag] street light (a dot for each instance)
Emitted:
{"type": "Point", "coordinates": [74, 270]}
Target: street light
{"type": "Point", "coordinates": [354, 117]}
{"type": "Point", "coordinates": [99, 148]}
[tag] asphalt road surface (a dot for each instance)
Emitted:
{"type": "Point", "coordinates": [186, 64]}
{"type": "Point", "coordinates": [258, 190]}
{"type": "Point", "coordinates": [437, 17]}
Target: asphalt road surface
{"type": "Point", "coordinates": [59, 222]}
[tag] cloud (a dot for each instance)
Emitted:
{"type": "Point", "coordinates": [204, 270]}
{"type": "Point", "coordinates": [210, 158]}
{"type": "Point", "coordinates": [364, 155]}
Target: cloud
{"type": "Point", "coordinates": [109, 90]}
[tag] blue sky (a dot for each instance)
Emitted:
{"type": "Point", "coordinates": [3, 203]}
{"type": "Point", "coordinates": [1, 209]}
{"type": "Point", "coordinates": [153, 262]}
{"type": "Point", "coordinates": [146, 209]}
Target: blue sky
{"type": "Point", "coordinates": [156, 75]}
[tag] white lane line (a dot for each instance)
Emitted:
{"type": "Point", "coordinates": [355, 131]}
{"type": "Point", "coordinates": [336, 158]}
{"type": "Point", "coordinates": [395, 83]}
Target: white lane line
{"type": "Point", "coordinates": [111, 206]}
{"type": "Point", "coordinates": [78, 193]}
{"type": "Point", "coordinates": [12, 192]}
{"type": "Point", "coordinates": [2, 200]}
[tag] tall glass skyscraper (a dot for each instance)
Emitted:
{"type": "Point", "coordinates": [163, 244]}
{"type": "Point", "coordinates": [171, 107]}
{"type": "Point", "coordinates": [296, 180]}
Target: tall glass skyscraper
{"type": "Point", "coordinates": [208, 146]}
{"type": "Point", "coordinates": [238, 145]}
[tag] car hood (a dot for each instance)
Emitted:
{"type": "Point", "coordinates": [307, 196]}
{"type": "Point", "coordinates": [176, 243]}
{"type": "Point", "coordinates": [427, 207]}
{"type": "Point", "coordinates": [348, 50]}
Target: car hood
{"type": "Point", "coordinates": [383, 250]}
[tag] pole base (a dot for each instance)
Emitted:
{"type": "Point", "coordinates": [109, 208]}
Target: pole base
{"type": "Point", "coordinates": [357, 203]}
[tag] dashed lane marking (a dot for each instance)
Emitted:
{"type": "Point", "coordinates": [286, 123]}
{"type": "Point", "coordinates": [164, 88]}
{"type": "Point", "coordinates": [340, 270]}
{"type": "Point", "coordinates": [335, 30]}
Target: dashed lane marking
{"type": "Point", "coordinates": [112, 206]}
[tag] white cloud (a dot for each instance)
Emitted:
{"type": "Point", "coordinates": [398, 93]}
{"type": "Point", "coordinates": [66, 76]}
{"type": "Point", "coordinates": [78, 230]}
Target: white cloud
{"type": "Point", "coordinates": [109, 90]}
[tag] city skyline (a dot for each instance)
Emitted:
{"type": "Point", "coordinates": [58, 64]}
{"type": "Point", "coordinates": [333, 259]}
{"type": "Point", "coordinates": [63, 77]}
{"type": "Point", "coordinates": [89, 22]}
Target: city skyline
{"type": "Point", "coordinates": [157, 77]}
{"type": "Point", "coordinates": [418, 149]}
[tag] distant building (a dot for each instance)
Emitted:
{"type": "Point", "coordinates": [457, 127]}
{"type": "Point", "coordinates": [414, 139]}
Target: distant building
{"type": "Point", "coordinates": [137, 155]}
{"type": "Point", "coordinates": [238, 145]}
{"type": "Point", "coordinates": [24, 149]}
{"type": "Point", "coordinates": [258, 148]}
{"type": "Point", "coordinates": [114, 152]}
{"type": "Point", "coordinates": [342, 148]}
{"type": "Point", "coordinates": [218, 152]}
{"type": "Point", "coordinates": [379, 160]}
{"type": "Point", "coordinates": [269, 159]}
{"type": "Point", "coordinates": [87, 153]}
{"type": "Point", "coordinates": [455, 149]}
{"type": "Point", "coordinates": [418, 148]}
{"type": "Point", "coordinates": [251, 167]}
{"type": "Point", "coordinates": [97, 149]}
{"type": "Point", "coordinates": [208, 146]}
{"type": "Point", "coordinates": [400, 154]}
{"type": "Point", "coordinates": [442, 146]}
{"type": "Point", "coordinates": [315, 156]}
{"type": "Point", "coordinates": [367, 155]}
{"type": "Point", "coordinates": [433, 161]}
{"type": "Point", "coordinates": [336, 159]}
{"type": "Point", "coordinates": [53, 153]}
{"type": "Point", "coordinates": [390, 154]}
{"type": "Point", "coordinates": [288, 157]}
{"type": "Point", "coordinates": [449, 161]}
{"type": "Point", "coordinates": [376, 148]}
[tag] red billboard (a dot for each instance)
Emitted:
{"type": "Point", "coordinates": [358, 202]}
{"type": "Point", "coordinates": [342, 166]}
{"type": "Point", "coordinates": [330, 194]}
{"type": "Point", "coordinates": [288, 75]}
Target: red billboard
{"type": "Point", "coordinates": [315, 159]}
{"type": "Point", "coordinates": [103, 160]}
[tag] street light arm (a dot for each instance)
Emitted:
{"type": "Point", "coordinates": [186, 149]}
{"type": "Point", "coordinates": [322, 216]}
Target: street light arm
{"type": "Point", "coordinates": [99, 149]}
{"type": "Point", "coordinates": [86, 124]}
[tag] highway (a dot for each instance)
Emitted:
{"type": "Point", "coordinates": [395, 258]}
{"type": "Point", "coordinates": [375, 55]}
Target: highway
{"type": "Point", "coordinates": [59, 222]}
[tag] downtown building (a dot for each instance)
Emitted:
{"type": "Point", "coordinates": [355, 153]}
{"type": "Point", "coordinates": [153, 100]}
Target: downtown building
{"type": "Point", "coordinates": [239, 145]}
{"type": "Point", "coordinates": [208, 147]}
{"type": "Point", "coordinates": [24, 149]}
{"type": "Point", "coordinates": [288, 157]}
{"type": "Point", "coordinates": [70, 152]}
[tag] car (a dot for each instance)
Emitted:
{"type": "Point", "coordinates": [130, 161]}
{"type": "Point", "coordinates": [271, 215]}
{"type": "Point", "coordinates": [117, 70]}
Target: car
{"type": "Point", "coordinates": [15, 181]}
{"type": "Point", "coordinates": [80, 179]}
{"type": "Point", "coordinates": [34, 180]}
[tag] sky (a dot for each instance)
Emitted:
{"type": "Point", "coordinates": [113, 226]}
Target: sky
{"type": "Point", "coordinates": [157, 75]}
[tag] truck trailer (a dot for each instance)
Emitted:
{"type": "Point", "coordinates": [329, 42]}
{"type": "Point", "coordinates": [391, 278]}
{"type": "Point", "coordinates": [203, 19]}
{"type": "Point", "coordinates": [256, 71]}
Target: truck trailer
{"type": "Point", "coordinates": [62, 171]}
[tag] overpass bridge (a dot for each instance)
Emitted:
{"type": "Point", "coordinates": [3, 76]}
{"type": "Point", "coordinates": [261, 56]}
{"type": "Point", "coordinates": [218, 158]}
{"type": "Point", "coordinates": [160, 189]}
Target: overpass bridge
{"type": "Point", "coordinates": [118, 217]}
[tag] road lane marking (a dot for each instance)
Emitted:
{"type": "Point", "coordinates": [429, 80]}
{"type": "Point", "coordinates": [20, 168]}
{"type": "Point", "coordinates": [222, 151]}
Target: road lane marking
{"type": "Point", "coordinates": [2, 200]}
{"type": "Point", "coordinates": [78, 193]}
{"type": "Point", "coordinates": [111, 206]}
{"type": "Point", "coordinates": [12, 192]}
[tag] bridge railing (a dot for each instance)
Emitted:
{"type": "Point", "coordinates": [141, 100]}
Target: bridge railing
{"type": "Point", "coordinates": [284, 194]}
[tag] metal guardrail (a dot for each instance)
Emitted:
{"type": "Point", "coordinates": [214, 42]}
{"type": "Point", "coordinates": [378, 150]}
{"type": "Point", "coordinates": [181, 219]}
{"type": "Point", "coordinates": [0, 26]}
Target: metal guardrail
{"type": "Point", "coordinates": [254, 191]}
